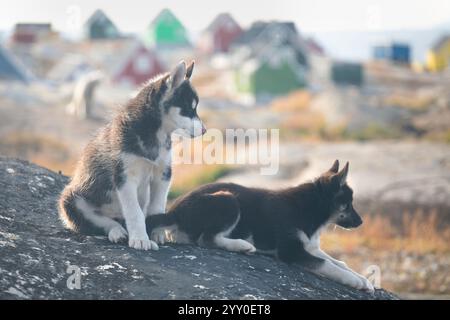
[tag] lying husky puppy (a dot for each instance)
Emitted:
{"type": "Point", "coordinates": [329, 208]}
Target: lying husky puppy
{"type": "Point", "coordinates": [125, 171]}
{"type": "Point", "coordinates": [286, 223]}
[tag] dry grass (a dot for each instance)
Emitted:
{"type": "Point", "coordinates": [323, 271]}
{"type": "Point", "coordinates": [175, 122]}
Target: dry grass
{"type": "Point", "coordinates": [189, 176]}
{"type": "Point", "coordinates": [439, 136]}
{"type": "Point", "coordinates": [409, 101]}
{"type": "Point", "coordinates": [203, 79]}
{"type": "Point", "coordinates": [419, 232]}
{"type": "Point", "coordinates": [66, 167]}
{"type": "Point", "coordinates": [294, 102]}
{"type": "Point", "coordinates": [372, 131]}
{"type": "Point", "coordinates": [305, 123]}
{"type": "Point", "coordinates": [298, 120]}
{"type": "Point", "coordinates": [41, 149]}
{"type": "Point", "coordinates": [413, 255]}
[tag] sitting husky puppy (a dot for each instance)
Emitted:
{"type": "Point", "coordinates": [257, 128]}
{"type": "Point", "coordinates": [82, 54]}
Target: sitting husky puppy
{"type": "Point", "coordinates": [124, 173]}
{"type": "Point", "coordinates": [286, 223]}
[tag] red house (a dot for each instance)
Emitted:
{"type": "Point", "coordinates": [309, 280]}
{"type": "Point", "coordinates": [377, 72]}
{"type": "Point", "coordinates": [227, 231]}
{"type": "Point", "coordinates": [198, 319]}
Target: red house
{"type": "Point", "coordinates": [139, 65]}
{"type": "Point", "coordinates": [220, 34]}
{"type": "Point", "coordinates": [28, 33]}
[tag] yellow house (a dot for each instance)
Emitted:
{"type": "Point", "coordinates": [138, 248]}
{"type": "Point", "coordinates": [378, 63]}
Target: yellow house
{"type": "Point", "coordinates": [438, 58]}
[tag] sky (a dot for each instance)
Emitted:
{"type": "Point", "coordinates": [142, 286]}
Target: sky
{"type": "Point", "coordinates": [132, 16]}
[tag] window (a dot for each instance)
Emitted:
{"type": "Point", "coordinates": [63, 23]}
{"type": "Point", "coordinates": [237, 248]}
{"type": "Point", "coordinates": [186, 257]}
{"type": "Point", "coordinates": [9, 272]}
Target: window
{"type": "Point", "coordinates": [143, 64]}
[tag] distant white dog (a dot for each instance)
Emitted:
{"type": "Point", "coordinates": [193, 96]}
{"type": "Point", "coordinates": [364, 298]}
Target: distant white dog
{"type": "Point", "coordinates": [83, 95]}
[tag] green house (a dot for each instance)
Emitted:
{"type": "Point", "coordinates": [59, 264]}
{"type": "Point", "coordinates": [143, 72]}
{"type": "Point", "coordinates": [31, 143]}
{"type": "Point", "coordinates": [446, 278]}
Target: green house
{"type": "Point", "coordinates": [276, 72]}
{"type": "Point", "coordinates": [166, 31]}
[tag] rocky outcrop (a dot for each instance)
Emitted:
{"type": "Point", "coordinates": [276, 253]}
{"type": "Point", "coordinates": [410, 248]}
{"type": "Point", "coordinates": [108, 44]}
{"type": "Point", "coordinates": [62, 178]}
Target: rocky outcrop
{"type": "Point", "coordinates": [42, 260]}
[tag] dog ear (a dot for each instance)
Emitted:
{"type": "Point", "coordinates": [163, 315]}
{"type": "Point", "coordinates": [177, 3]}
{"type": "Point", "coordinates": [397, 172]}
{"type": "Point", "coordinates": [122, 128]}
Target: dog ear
{"type": "Point", "coordinates": [189, 70]}
{"type": "Point", "coordinates": [177, 75]}
{"type": "Point", "coordinates": [335, 167]}
{"type": "Point", "coordinates": [341, 177]}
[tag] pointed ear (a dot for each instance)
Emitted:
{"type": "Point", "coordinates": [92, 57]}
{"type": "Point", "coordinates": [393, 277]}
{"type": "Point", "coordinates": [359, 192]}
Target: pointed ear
{"type": "Point", "coordinates": [177, 75]}
{"type": "Point", "coordinates": [189, 70]}
{"type": "Point", "coordinates": [335, 167]}
{"type": "Point", "coordinates": [341, 177]}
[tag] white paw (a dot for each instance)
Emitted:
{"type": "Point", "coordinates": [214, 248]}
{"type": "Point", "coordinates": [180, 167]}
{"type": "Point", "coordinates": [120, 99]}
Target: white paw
{"type": "Point", "coordinates": [159, 236]}
{"type": "Point", "coordinates": [117, 234]}
{"type": "Point", "coordinates": [355, 282]}
{"type": "Point", "coordinates": [244, 246]}
{"type": "Point", "coordinates": [361, 283]}
{"type": "Point", "coordinates": [142, 244]}
{"type": "Point", "coordinates": [170, 236]}
{"type": "Point", "coordinates": [367, 285]}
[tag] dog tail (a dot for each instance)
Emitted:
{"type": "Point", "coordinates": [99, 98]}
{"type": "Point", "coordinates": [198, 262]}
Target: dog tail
{"type": "Point", "coordinates": [72, 217]}
{"type": "Point", "coordinates": [161, 220]}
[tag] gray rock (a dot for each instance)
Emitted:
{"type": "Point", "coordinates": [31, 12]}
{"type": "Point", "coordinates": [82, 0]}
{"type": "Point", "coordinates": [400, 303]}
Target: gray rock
{"type": "Point", "coordinates": [36, 252]}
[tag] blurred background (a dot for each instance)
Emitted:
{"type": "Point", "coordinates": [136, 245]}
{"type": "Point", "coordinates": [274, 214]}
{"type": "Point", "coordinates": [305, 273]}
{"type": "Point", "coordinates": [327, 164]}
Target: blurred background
{"type": "Point", "coordinates": [360, 81]}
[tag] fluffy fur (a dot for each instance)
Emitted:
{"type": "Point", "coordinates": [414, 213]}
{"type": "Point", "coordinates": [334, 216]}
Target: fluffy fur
{"type": "Point", "coordinates": [125, 171]}
{"type": "Point", "coordinates": [286, 223]}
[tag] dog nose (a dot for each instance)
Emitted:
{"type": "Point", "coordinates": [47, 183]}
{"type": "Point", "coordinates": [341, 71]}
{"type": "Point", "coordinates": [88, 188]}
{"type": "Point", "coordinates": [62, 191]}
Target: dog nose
{"type": "Point", "coordinates": [203, 129]}
{"type": "Point", "coordinates": [358, 222]}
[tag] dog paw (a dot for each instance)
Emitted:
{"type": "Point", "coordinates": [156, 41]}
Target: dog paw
{"type": "Point", "coordinates": [117, 234]}
{"type": "Point", "coordinates": [367, 286]}
{"type": "Point", "coordinates": [361, 283]}
{"type": "Point", "coordinates": [159, 236]}
{"type": "Point", "coordinates": [244, 246]}
{"type": "Point", "coordinates": [142, 244]}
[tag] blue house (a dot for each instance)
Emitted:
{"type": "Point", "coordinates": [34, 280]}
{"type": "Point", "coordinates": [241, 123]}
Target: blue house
{"type": "Point", "coordinates": [381, 52]}
{"type": "Point", "coordinates": [396, 52]}
{"type": "Point", "coordinates": [401, 53]}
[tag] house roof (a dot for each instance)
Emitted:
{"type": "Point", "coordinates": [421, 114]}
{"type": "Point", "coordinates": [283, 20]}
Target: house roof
{"type": "Point", "coordinates": [221, 20]}
{"type": "Point", "coordinates": [100, 16]}
{"type": "Point", "coordinates": [133, 48]}
{"type": "Point", "coordinates": [314, 47]}
{"type": "Point", "coordinates": [29, 32]}
{"type": "Point", "coordinates": [10, 69]}
{"type": "Point", "coordinates": [164, 15]}
{"type": "Point", "coordinates": [33, 27]}
{"type": "Point", "coordinates": [109, 56]}
{"type": "Point", "coordinates": [441, 42]}
{"type": "Point", "coordinates": [260, 31]}
{"type": "Point", "coordinates": [268, 35]}
{"type": "Point", "coordinates": [173, 33]}
{"type": "Point", "coordinates": [275, 57]}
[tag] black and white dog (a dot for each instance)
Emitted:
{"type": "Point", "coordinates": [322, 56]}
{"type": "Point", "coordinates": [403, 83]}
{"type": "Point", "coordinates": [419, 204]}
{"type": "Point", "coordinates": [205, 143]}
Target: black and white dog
{"type": "Point", "coordinates": [286, 223]}
{"type": "Point", "coordinates": [125, 171]}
